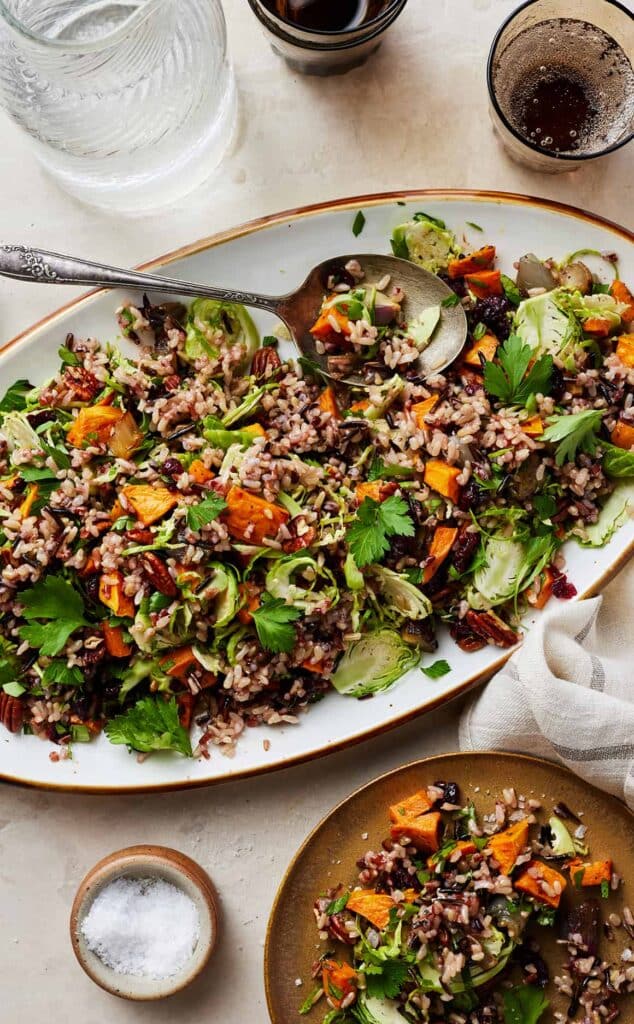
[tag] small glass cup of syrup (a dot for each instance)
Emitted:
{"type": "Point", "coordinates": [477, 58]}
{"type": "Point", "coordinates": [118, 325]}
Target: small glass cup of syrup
{"type": "Point", "coordinates": [326, 37]}
{"type": "Point", "coordinates": [561, 82]}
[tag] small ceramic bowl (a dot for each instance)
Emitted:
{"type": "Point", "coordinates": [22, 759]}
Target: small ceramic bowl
{"type": "Point", "coordinates": [147, 862]}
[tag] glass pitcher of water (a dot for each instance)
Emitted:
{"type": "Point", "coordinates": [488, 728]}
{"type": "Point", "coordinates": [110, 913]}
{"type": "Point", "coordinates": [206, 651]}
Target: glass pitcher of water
{"type": "Point", "coordinates": [129, 103]}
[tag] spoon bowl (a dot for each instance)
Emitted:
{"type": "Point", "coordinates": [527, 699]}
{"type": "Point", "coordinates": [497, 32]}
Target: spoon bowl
{"type": "Point", "coordinates": [298, 309]}
{"type": "Point", "coordinates": [422, 290]}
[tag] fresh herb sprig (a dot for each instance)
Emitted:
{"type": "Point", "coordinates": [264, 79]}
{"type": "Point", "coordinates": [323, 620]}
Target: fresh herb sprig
{"type": "Point", "coordinates": [577, 432]}
{"type": "Point", "coordinates": [55, 601]}
{"type": "Point", "coordinates": [274, 624]}
{"type": "Point", "coordinates": [152, 724]}
{"type": "Point", "coordinates": [376, 522]}
{"type": "Point", "coordinates": [509, 380]}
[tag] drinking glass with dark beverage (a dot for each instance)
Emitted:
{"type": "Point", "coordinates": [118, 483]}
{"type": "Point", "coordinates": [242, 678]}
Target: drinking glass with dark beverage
{"type": "Point", "coordinates": [324, 37]}
{"type": "Point", "coordinates": [561, 82]}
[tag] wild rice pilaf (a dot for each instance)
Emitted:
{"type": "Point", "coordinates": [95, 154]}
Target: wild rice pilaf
{"type": "Point", "coordinates": [211, 534]}
{"type": "Point", "coordinates": [446, 920]}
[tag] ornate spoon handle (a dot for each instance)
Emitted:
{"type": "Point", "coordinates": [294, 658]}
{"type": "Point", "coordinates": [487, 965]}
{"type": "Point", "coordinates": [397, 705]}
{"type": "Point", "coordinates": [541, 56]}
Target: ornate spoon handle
{"type": "Point", "coordinates": [35, 265]}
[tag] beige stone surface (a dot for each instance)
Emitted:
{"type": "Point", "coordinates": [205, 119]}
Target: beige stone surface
{"type": "Point", "coordinates": [414, 117]}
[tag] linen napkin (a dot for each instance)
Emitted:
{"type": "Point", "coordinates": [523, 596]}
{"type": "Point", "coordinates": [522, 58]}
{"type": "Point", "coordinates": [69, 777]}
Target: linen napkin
{"type": "Point", "coordinates": [568, 694]}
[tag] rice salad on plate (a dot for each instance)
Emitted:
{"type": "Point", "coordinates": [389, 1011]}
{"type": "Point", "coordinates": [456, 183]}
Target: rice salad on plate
{"type": "Point", "coordinates": [213, 534]}
{"type": "Point", "coordinates": [447, 919]}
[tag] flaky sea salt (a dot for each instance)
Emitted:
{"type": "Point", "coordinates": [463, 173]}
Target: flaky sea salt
{"type": "Point", "coordinates": [142, 926]}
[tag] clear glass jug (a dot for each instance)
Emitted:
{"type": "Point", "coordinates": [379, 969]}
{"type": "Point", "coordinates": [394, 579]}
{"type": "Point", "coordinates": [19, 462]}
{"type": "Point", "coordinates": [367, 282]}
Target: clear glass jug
{"type": "Point", "coordinates": [129, 103]}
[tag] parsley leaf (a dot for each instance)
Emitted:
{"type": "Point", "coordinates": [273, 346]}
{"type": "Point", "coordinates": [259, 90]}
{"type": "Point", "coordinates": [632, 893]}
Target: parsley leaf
{"type": "Point", "coordinates": [152, 724]}
{"type": "Point", "coordinates": [338, 905]}
{"type": "Point", "coordinates": [438, 669]}
{"type": "Point", "coordinates": [273, 624]}
{"type": "Point", "coordinates": [511, 290]}
{"type": "Point", "coordinates": [375, 522]}
{"type": "Point", "coordinates": [358, 224]}
{"type": "Point", "coordinates": [576, 432]}
{"type": "Point", "coordinates": [524, 1004]}
{"type": "Point", "coordinates": [60, 672]}
{"type": "Point", "coordinates": [380, 470]}
{"type": "Point", "coordinates": [509, 380]}
{"type": "Point", "coordinates": [387, 984]}
{"type": "Point", "coordinates": [432, 220]}
{"type": "Point", "coordinates": [55, 600]}
{"type": "Point", "coordinates": [205, 512]}
{"type": "Point", "coordinates": [14, 400]}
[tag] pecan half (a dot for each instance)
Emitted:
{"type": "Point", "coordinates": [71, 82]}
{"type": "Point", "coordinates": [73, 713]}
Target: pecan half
{"type": "Point", "coordinates": [341, 365]}
{"type": "Point", "coordinates": [301, 535]}
{"type": "Point", "coordinates": [491, 628]}
{"type": "Point", "coordinates": [138, 535]}
{"type": "Point", "coordinates": [82, 383]}
{"type": "Point", "coordinates": [11, 712]}
{"type": "Point", "coordinates": [158, 574]}
{"type": "Point", "coordinates": [465, 637]}
{"type": "Point", "coordinates": [266, 363]}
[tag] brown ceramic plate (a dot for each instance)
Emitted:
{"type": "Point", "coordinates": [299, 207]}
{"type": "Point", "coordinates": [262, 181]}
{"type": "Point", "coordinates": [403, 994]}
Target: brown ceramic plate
{"type": "Point", "coordinates": [329, 855]}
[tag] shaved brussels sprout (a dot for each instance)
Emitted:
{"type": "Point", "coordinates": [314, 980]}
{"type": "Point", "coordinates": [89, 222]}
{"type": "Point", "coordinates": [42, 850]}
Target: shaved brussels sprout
{"type": "Point", "coordinates": [213, 326]}
{"type": "Point", "coordinates": [373, 663]}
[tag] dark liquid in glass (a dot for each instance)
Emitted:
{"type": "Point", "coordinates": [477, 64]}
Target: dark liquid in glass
{"type": "Point", "coordinates": [566, 86]}
{"type": "Point", "coordinates": [556, 108]}
{"type": "Point", "coordinates": [327, 15]}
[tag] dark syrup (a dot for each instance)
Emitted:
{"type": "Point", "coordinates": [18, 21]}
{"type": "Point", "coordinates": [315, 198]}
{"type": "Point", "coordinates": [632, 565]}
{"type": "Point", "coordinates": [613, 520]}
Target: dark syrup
{"type": "Point", "coordinates": [327, 15]}
{"type": "Point", "coordinates": [555, 109]}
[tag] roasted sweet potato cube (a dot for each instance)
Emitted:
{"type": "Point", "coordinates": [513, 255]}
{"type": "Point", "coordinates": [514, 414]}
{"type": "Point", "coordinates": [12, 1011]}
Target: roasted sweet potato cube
{"type": "Point", "coordinates": [442, 478]}
{"type": "Point", "coordinates": [411, 807]}
{"type": "Point", "coordinates": [339, 981]}
{"type": "Point", "coordinates": [378, 490]}
{"type": "Point", "coordinates": [250, 518]}
{"type": "Point", "coordinates": [423, 832]}
{"type": "Point", "coordinates": [328, 402]}
{"type": "Point", "coordinates": [441, 544]}
{"type": "Point", "coordinates": [590, 874]}
{"type": "Point", "coordinates": [622, 293]}
{"type": "Point", "coordinates": [485, 347]}
{"type": "Point", "coordinates": [623, 435]}
{"type": "Point", "coordinates": [485, 283]}
{"type": "Point", "coordinates": [375, 907]}
{"type": "Point", "coordinates": [111, 594]}
{"type": "Point", "coordinates": [149, 502]}
{"type": "Point", "coordinates": [199, 472]}
{"type": "Point", "coordinates": [93, 424]}
{"type": "Point", "coordinates": [534, 426]}
{"type": "Point", "coordinates": [422, 409]}
{"type": "Point", "coordinates": [541, 882]}
{"type": "Point", "coordinates": [625, 349]}
{"type": "Point", "coordinates": [508, 845]}
{"type": "Point", "coordinates": [481, 259]}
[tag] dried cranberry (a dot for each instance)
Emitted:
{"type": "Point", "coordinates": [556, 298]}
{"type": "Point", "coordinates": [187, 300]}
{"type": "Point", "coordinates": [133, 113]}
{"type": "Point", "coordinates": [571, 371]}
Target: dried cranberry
{"type": "Point", "coordinates": [562, 588]}
{"type": "Point", "coordinates": [451, 792]}
{"type": "Point", "coordinates": [36, 419]}
{"type": "Point", "coordinates": [457, 284]}
{"type": "Point", "coordinates": [464, 548]}
{"type": "Point", "coordinates": [494, 312]}
{"type": "Point", "coordinates": [557, 384]}
{"type": "Point", "coordinates": [469, 496]}
{"type": "Point", "coordinates": [91, 587]}
{"type": "Point", "coordinates": [172, 467]}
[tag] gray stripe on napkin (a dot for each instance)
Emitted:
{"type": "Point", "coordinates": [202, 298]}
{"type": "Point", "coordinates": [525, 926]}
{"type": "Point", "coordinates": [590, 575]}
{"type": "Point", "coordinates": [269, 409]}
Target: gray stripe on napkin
{"type": "Point", "coordinates": [616, 753]}
{"type": "Point", "coordinates": [583, 632]}
{"type": "Point", "coordinates": [597, 682]}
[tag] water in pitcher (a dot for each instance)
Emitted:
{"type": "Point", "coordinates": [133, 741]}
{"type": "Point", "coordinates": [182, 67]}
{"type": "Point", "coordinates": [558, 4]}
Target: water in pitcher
{"type": "Point", "coordinates": [130, 103]}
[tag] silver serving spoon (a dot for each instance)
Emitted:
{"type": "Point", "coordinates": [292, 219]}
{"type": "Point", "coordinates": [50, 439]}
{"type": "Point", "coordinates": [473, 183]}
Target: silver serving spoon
{"type": "Point", "coordinates": [298, 309]}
